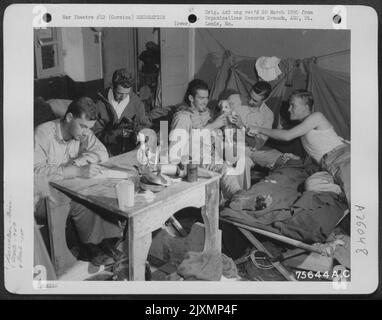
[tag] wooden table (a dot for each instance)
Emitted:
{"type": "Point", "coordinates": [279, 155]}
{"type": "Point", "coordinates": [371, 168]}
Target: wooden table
{"type": "Point", "coordinates": [145, 217]}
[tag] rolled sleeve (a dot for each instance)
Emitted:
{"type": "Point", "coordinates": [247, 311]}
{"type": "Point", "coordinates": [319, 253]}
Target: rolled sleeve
{"type": "Point", "coordinates": [93, 150]}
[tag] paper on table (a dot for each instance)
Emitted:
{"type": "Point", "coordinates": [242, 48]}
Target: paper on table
{"type": "Point", "coordinates": [127, 167]}
{"type": "Point", "coordinates": [107, 173]}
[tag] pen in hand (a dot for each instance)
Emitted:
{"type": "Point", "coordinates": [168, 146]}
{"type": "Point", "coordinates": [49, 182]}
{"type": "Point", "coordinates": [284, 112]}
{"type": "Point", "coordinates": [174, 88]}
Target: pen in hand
{"type": "Point", "coordinates": [90, 170]}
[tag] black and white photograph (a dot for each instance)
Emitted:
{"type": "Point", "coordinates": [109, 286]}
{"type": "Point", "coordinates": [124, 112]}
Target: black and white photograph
{"type": "Point", "coordinates": [203, 154]}
{"type": "Point", "coordinates": [285, 217]}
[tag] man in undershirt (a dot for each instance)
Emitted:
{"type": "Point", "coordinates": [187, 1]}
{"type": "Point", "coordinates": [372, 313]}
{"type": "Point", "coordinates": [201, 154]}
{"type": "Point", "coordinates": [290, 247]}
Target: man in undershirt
{"type": "Point", "coordinates": [318, 138]}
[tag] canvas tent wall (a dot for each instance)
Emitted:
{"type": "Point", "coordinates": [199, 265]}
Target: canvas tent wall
{"type": "Point", "coordinates": [331, 89]}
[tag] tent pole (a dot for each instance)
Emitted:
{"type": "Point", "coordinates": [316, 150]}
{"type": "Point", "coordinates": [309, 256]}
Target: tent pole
{"type": "Point", "coordinates": [295, 243]}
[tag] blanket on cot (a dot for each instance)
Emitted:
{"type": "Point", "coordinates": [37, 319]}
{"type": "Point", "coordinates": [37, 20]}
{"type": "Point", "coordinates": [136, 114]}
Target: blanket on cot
{"type": "Point", "coordinates": [279, 204]}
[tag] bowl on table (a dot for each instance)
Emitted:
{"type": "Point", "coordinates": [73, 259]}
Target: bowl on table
{"type": "Point", "coordinates": [153, 182]}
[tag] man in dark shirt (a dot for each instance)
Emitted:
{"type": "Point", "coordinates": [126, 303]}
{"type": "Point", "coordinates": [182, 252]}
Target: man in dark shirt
{"type": "Point", "coordinates": [120, 114]}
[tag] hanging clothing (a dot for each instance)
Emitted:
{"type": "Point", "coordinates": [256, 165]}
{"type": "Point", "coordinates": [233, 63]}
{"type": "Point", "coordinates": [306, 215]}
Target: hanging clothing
{"type": "Point", "coordinates": [222, 77]}
{"type": "Point", "coordinates": [280, 88]}
{"type": "Point", "coordinates": [268, 68]}
{"type": "Point", "coordinates": [331, 90]}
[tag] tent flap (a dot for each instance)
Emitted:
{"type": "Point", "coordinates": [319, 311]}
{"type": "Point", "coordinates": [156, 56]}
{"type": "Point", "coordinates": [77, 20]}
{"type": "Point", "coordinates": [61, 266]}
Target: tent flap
{"type": "Point", "coordinates": [331, 90]}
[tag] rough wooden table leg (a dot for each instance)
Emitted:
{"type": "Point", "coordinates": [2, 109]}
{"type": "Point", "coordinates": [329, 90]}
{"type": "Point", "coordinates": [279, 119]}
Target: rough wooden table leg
{"type": "Point", "coordinates": [210, 213]}
{"type": "Point", "coordinates": [138, 252]}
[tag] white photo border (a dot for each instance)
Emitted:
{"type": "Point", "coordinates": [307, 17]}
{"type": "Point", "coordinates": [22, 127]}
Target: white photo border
{"type": "Point", "coordinates": [19, 20]}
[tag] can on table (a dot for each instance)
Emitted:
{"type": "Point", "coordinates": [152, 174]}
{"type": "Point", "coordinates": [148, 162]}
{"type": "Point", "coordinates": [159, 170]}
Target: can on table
{"type": "Point", "coordinates": [192, 172]}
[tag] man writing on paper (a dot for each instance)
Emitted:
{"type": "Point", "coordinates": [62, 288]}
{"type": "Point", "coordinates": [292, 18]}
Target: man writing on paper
{"type": "Point", "coordinates": [67, 148]}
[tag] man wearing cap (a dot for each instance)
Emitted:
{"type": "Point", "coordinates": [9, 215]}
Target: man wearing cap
{"type": "Point", "coordinates": [120, 114]}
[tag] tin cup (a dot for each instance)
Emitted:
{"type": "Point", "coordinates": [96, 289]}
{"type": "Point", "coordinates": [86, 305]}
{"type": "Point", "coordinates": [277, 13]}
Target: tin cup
{"type": "Point", "coordinates": [125, 194]}
{"type": "Point", "coordinates": [231, 116]}
{"type": "Point", "coordinates": [169, 169]}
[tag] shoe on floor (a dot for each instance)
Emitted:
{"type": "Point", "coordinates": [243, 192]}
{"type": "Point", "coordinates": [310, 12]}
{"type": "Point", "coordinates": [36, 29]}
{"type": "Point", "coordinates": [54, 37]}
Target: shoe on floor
{"type": "Point", "coordinates": [109, 247]}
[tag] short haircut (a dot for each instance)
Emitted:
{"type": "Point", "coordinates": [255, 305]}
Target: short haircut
{"type": "Point", "coordinates": [305, 96]}
{"type": "Point", "coordinates": [83, 106]}
{"type": "Point", "coordinates": [262, 88]}
{"type": "Point", "coordinates": [151, 45]}
{"type": "Point", "coordinates": [227, 93]}
{"type": "Point", "coordinates": [193, 87]}
{"type": "Point", "coordinates": [122, 77]}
